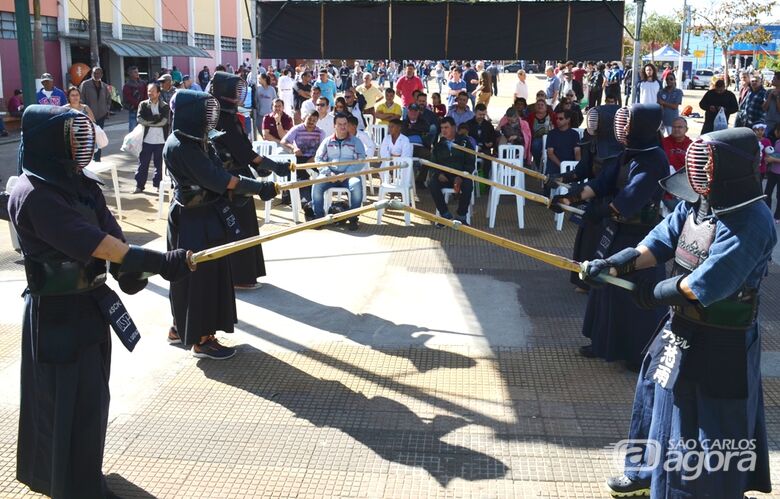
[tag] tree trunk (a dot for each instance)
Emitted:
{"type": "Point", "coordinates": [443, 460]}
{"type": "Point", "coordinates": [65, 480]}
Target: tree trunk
{"type": "Point", "coordinates": [39, 55]}
{"type": "Point", "coordinates": [94, 52]}
{"type": "Point", "coordinates": [726, 78]}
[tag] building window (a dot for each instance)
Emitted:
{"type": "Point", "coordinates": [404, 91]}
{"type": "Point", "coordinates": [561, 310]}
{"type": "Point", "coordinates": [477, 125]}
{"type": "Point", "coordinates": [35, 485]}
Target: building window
{"type": "Point", "coordinates": [178, 37]}
{"type": "Point", "coordinates": [8, 26]}
{"type": "Point", "coordinates": [229, 43]}
{"type": "Point", "coordinates": [246, 45]}
{"type": "Point", "coordinates": [139, 33]}
{"type": "Point", "coordinates": [204, 41]}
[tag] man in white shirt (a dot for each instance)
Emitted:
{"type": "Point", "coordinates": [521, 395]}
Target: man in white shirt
{"type": "Point", "coordinates": [286, 85]}
{"type": "Point", "coordinates": [326, 122]}
{"type": "Point", "coordinates": [395, 144]}
{"type": "Point", "coordinates": [521, 87]}
{"type": "Point", "coordinates": [310, 105]}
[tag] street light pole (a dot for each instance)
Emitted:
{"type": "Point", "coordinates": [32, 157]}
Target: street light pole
{"type": "Point", "coordinates": [637, 60]}
{"type": "Point", "coordinates": [24, 45]}
{"type": "Point", "coordinates": [682, 40]}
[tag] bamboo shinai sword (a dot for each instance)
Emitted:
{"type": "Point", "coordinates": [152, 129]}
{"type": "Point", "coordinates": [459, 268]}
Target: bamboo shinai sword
{"type": "Point", "coordinates": [543, 256]}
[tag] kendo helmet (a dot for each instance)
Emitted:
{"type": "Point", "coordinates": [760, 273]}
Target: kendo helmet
{"type": "Point", "coordinates": [722, 167]}
{"type": "Point", "coordinates": [637, 126]}
{"type": "Point", "coordinates": [195, 114]}
{"type": "Point", "coordinates": [607, 145]}
{"type": "Point", "coordinates": [57, 143]}
{"type": "Point", "coordinates": [229, 89]}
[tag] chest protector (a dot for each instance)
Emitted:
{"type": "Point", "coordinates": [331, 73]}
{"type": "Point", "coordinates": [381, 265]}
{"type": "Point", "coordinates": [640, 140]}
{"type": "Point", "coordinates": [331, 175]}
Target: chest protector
{"type": "Point", "coordinates": [738, 311]}
{"type": "Point", "coordinates": [53, 273]}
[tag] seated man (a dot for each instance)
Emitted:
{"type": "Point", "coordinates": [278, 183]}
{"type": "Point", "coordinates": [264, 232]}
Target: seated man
{"type": "Point", "coordinates": [460, 112]}
{"type": "Point", "coordinates": [445, 154]}
{"type": "Point", "coordinates": [562, 144]}
{"type": "Point", "coordinates": [354, 131]}
{"type": "Point", "coordinates": [428, 115]}
{"type": "Point", "coordinates": [417, 130]}
{"type": "Point", "coordinates": [395, 144]}
{"type": "Point", "coordinates": [482, 131]}
{"type": "Point", "coordinates": [303, 140]}
{"type": "Point", "coordinates": [388, 109]}
{"type": "Point", "coordinates": [340, 147]}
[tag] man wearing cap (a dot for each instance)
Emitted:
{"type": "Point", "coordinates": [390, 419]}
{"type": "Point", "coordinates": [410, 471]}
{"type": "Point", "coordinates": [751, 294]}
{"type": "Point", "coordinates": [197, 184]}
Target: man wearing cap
{"type": "Point", "coordinates": [327, 86]}
{"type": "Point", "coordinates": [166, 88]}
{"type": "Point", "coordinates": [188, 84]}
{"type": "Point", "coordinates": [50, 94]}
{"type": "Point", "coordinates": [751, 107]}
{"type": "Point", "coordinates": [95, 94]}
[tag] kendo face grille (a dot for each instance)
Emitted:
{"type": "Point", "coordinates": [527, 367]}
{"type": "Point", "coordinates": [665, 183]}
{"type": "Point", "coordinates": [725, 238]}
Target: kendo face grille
{"type": "Point", "coordinates": [699, 165]}
{"type": "Point", "coordinates": [80, 137]}
{"type": "Point", "coordinates": [592, 121]}
{"type": "Point", "coordinates": [212, 113]}
{"type": "Point", "coordinates": [622, 122]}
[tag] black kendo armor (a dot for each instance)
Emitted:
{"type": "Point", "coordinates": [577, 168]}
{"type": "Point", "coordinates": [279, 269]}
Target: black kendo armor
{"type": "Point", "coordinates": [638, 128]}
{"type": "Point", "coordinates": [230, 91]}
{"type": "Point", "coordinates": [600, 122]}
{"type": "Point", "coordinates": [721, 175]}
{"type": "Point", "coordinates": [57, 143]}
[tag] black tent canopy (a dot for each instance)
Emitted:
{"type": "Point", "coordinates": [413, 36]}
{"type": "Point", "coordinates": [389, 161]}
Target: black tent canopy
{"type": "Point", "coordinates": [580, 30]}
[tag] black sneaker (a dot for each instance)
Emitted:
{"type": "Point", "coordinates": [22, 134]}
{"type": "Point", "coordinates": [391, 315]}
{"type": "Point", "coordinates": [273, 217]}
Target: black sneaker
{"type": "Point", "coordinates": [447, 215]}
{"type": "Point", "coordinates": [463, 219]}
{"type": "Point", "coordinates": [211, 349]}
{"type": "Point", "coordinates": [138, 190]}
{"type": "Point", "coordinates": [587, 352]}
{"type": "Point", "coordinates": [622, 486]}
{"type": "Point", "coordinates": [353, 224]}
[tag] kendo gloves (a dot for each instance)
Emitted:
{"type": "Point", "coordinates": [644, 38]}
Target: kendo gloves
{"type": "Point", "coordinates": [251, 187]}
{"type": "Point", "coordinates": [572, 197]}
{"type": "Point", "coordinates": [554, 178]}
{"type": "Point", "coordinates": [281, 168]}
{"type": "Point", "coordinates": [139, 262]}
{"type": "Point", "coordinates": [624, 262]}
{"type": "Point", "coordinates": [648, 295]}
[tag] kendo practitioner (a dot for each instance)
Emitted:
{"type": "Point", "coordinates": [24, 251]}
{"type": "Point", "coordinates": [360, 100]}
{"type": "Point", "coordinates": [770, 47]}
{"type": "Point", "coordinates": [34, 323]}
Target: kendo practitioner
{"type": "Point", "coordinates": [617, 328]}
{"type": "Point", "coordinates": [701, 377]}
{"type": "Point", "coordinates": [67, 235]}
{"type": "Point", "coordinates": [600, 152]}
{"type": "Point", "coordinates": [235, 151]}
{"type": "Point", "coordinates": [200, 217]}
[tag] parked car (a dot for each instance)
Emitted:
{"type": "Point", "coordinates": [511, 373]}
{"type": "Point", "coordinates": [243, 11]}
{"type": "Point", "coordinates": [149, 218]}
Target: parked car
{"type": "Point", "coordinates": [513, 67]}
{"type": "Point", "coordinates": [701, 78]}
{"type": "Point", "coordinates": [768, 75]}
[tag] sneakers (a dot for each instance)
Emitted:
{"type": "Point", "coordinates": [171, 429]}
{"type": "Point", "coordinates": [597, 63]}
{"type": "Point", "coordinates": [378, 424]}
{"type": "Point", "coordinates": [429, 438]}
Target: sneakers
{"type": "Point", "coordinates": [211, 349]}
{"type": "Point", "coordinates": [622, 486]}
{"type": "Point", "coordinates": [173, 336]}
{"type": "Point", "coordinates": [352, 224]}
{"type": "Point", "coordinates": [138, 190]}
{"type": "Point", "coordinates": [447, 215]}
{"type": "Point", "coordinates": [463, 219]}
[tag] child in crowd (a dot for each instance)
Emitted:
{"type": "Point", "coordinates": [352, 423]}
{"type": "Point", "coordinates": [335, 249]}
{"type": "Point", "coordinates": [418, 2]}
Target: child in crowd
{"type": "Point", "coordinates": [760, 130]}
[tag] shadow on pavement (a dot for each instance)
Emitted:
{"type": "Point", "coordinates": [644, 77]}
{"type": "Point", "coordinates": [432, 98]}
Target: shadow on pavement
{"type": "Point", "coordinates": [366, 329]}
{"type": "Point", "coordinates": [387, 427]}
{"type": "Point", "coordinates": [125, 489]}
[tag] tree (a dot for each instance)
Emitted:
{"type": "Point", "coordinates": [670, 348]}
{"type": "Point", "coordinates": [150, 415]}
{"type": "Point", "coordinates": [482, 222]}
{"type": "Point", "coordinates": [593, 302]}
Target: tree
{"type": "Point", "coordinates": [629, 19]}
{"type": "Point", "coordinates": [731, 21]}
{"type": "Point", "coordinates": [659, 30]}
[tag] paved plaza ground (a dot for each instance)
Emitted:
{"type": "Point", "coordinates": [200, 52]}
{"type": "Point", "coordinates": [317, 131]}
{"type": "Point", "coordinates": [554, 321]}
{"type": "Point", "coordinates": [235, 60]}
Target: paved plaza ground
{"type": "Point", "coordinates": [390, 362]}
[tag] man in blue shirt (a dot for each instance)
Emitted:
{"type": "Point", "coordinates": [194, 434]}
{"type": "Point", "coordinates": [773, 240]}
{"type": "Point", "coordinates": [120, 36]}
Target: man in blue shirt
{"type": "Point", "coordinates": [471, 78]}
{"type": "Point", "coordinates": [552, 88]}
{"type": "Point", "coordinates": [50, 94]}
{"type": "Point", "coordinates": [460, 112]}
{"type": "Point", "coordinates": [456, 85]}
{"type": "Point", "coordinates": [327, 86]}
{"type": "Point", "coordinates": [562, 144]}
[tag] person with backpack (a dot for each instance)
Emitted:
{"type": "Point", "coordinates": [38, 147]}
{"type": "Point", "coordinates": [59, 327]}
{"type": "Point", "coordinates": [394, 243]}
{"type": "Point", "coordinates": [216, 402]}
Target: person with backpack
{"type": "Point", "coordinates": [614, 79]}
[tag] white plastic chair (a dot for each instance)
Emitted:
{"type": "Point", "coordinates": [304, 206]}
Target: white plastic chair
{"type": "Point", "coordinates": [398, 181]}
{"type": "Point", "coordinates": [295, 194]}
{"type": "Point", "coordinates": [511, 178]}
{"type": "Point", "coordinates": [369, 121]}
{"type": "Point", "coordinates": [566, 166]}
{"type": "Point", "coordinates": [378, 133]}
{"type": "Point", "coordinates": [14, 237]}
{"type": "Point", "coordinates": [265, 147]}
{"type": "Point", "coordinates": [449, 191]}
{"type": "Point", "coordinates": [543, 163]}
{"type": "Point", "coordinates": [336, 192]}
{"type": "Point", "coordinates": [104, 166]}
{"type": "Point", "coordinates": [166, 185]}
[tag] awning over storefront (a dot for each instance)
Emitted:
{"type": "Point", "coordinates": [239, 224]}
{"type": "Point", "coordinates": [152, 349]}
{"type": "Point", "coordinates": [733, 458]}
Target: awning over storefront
{"type": "Point", "coordinates": [132, 48]}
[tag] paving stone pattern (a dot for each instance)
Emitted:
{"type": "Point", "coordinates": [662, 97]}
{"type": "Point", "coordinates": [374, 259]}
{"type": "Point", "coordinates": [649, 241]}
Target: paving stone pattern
{"type": "Point", "coordinates": [342, 419]}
